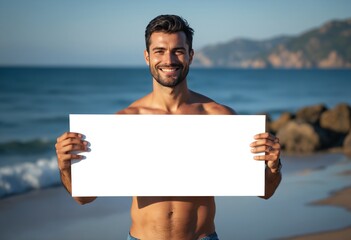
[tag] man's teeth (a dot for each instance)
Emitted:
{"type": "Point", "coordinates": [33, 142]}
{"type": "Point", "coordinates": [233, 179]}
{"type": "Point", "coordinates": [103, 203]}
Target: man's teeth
{"type": "Point", "coordinates": [169, 69]}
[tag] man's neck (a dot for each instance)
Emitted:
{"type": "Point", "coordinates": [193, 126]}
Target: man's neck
{"type": "Point", "coordinates": [170, 99]}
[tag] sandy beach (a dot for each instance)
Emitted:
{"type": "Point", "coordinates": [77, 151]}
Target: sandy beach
{"type": "Point", "coordinates": [342, 199]}
{"type": "Point", "coordinates": [52, 214]}
{"type": "Point", "coordinates": [342, 234]}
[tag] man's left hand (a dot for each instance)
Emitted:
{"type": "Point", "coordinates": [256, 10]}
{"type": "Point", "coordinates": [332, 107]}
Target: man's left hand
{"type": "Point", "coordinates": [268, 144]}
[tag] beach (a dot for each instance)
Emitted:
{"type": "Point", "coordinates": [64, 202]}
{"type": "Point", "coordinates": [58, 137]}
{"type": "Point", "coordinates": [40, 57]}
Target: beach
{"type": "Point", "coordinates": [340, 198]}
{"type": "Point", "coordinates": [52, 214]}
{"type": "Point", "coordinates": [342, 234]}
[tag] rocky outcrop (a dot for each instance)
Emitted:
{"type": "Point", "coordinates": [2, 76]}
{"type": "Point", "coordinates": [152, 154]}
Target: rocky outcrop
{"type": "Point", "coordinates": [314, 128]}
{"type": "Point", "coordinates": [298, 137]}
{"type": "Point", "coordinates": [337, 119]}
{"type": "Point", "coordinates": [280, 122]}
{"type": "Point", "coordinates": [311, 114]}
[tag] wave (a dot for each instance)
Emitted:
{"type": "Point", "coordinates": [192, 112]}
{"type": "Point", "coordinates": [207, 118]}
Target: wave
{"type": "Point", "coordinates": [28, 176]}
{"type": "Point", "coordinates": [26, 147]}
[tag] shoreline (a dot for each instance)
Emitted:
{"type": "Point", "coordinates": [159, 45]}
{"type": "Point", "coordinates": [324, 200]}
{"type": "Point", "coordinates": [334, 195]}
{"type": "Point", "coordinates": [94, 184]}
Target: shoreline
{"type": "Point", "coordinates": [339, 234]}
{"type": "Point", "coordinates": [51, 213]}
{"type": "Point", "coordinates": [291, 163]}
{"type": "Point", "coordinates": [340, 198]}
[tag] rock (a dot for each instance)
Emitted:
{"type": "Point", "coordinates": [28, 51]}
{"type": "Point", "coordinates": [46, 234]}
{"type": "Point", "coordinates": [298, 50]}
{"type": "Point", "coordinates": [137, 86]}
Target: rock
{"type": "Point", "coordinates": [337, 119]}
{"type": "Point", "coordinates": [311, 114]}
{"type": "Point", "coordinates": [298, 137]}
{"type": "Point", "coordinates": [328, 138]}
{"type": "Point", "coordinates": [347, 145]}
{"type": "Point", "coordinates": [280, 122]}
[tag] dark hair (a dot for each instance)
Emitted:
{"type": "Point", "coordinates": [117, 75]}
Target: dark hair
{"type": "Point", "coordinates": [169, 24]}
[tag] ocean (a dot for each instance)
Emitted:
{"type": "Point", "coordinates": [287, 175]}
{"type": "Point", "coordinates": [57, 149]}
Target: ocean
{"type": "Point", "coordinates": [35, 104]}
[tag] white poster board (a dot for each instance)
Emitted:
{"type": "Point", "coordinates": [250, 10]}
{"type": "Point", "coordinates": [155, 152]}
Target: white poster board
{"type": "Point", "coordinates": [168, 155]}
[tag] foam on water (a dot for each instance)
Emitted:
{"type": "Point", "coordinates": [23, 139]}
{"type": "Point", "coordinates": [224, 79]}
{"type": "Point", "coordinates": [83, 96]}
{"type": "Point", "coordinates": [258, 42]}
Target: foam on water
{"type": "Point", "coordinates": [27, 176]}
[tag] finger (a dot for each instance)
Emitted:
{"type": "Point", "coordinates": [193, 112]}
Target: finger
{"type": "Point", "coordinates": [73, 147]}
{"type": "Point", "coordinates": [71, 141]}
{"type": "Point", "coordinates": [68, 157]}
{"type": "Point", "coordinates": [69, 135]}
{"type": "Point", "coordinates": [266, 157]}
{"type": "Point", "coordinates": [259, 149]}
{"type": "Point", "coordinates": [262, 149]}
{"type": "Point", "coordinates": [262, 142]}
{"type": "Point", "coordinates": [265, 138]}
{"type": "Point", "coordinates": [263, 135]}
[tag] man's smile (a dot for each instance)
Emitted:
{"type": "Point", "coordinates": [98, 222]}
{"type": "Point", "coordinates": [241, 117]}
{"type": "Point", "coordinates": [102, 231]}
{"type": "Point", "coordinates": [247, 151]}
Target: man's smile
{"type": "Point", "coordinates": [169, 69]}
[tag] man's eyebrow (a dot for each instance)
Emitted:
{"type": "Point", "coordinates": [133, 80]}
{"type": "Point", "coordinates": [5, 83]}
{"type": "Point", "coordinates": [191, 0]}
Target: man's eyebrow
{"type": "Point", "coordinates": [158, 48]}
{"type": "Point", "coordinates": [173, 49]}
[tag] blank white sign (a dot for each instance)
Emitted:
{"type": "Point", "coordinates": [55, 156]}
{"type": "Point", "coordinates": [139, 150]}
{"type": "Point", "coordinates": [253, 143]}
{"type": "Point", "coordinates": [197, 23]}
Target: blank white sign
{"type": "Point", "coordinates": [168, 155]}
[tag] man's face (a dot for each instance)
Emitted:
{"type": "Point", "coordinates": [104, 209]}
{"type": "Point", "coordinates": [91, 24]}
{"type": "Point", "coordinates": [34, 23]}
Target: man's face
{"type": "Point", "coordinates": [168, 58]}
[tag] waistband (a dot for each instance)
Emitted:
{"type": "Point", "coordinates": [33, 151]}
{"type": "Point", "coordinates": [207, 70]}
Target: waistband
{"type": "Point", "coordinates": [212, 236]}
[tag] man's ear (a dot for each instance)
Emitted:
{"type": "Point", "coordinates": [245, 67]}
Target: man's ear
{"type": "Point", "coordinates": [146, 57]}
{"type": "Point", "coordinates": [191, 56]}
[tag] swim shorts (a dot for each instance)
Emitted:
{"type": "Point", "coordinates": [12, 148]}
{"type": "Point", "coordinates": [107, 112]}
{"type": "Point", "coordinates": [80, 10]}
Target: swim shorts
{"type": "Point", "coordinates": [212, 236]}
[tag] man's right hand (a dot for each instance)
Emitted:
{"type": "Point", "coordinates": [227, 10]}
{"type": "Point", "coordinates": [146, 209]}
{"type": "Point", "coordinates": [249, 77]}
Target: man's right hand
{"type": "Point", "coordinates": [67, 147]}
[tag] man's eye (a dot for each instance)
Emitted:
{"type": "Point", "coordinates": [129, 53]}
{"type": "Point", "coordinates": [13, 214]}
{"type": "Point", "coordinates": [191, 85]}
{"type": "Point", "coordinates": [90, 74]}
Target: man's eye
{"type": "Point", "coordinates": [179, 52]}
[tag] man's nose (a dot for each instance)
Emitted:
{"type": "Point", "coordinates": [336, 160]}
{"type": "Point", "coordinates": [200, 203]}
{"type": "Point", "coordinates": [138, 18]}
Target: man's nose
{"type": "Point", "coordinates": [169, 58]}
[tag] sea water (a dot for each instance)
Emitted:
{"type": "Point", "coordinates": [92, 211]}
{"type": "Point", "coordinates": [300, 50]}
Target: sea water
{"type": "Point", "coordinates": [34, 108]}
{"type": "Point", "coordinates": [35, 104]}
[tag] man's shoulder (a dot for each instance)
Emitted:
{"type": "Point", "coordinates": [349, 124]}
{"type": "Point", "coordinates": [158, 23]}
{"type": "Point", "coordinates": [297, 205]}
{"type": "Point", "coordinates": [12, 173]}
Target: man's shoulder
{"type": "Point", "coordinates": [212, 107]}
{"type": "Point", "coordinates": [135, 107]}
{"type": "Point", "coordinates": [141, 106]}
{"type": "Point", "coordinates": [129, 110]}
{"type": "Point", "coordinates": [219, 109]}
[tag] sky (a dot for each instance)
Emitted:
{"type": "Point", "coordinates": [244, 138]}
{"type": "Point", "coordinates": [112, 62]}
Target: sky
{"type": "Point", "coordinates": [111, 32]}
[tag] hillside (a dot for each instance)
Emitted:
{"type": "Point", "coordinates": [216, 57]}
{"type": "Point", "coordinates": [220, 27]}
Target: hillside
{"type": "Point", "coordinates": [328, 46]}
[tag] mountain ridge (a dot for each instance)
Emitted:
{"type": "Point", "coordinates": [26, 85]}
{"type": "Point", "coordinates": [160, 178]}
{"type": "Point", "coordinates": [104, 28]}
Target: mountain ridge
{"type": "Point", "coordinates": [327, 46]}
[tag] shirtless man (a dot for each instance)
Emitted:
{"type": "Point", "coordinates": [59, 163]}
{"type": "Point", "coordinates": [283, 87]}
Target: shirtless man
{"type": "Point", "coordinates": [169, 54]}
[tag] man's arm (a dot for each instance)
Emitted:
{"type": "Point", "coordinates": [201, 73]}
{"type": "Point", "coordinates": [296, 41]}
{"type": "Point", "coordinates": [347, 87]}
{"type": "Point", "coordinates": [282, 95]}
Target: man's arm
{"type": "Point", "coordinates": [269, 144]}
{"type": "Point", "coordinates": [273, 178]}
{"type": "Point", "coordinates": [66, 144]}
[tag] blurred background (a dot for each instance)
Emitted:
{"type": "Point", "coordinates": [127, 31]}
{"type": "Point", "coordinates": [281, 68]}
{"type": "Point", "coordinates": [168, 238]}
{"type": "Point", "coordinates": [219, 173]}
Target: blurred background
{"type": "Point", "coordinates": [289, 60]}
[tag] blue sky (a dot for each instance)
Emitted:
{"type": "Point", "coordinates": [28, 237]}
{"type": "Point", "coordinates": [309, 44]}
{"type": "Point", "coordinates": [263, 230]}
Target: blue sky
{"type": "Point", "coordinates": [111, 33]}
